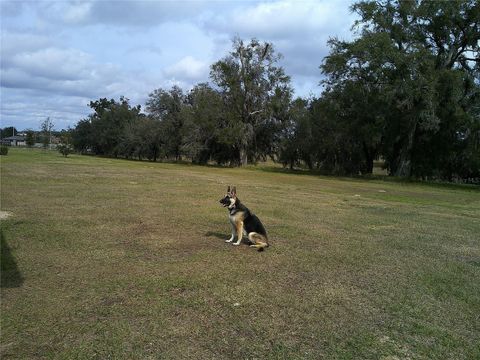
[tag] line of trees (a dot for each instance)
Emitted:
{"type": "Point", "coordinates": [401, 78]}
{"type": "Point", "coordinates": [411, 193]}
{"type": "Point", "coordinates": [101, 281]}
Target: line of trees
{"type": "Point", "coordinates": [406, 90]}
{"type": "Point", "coordinates": [235, 121]}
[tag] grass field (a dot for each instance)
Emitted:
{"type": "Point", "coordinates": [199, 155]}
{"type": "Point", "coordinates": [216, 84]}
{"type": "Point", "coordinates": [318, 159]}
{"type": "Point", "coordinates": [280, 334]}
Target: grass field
{"type": "Point", "coordinates": [115, 259]}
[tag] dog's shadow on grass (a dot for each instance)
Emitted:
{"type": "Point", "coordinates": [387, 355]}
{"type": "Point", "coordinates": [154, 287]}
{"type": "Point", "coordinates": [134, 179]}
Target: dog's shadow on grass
{"type": "Point", "coordinates": [10, 276]}
{"type": "Point", "coordinates": [224, 236]}
{"type": "Point", "coordinates": [216, 234]}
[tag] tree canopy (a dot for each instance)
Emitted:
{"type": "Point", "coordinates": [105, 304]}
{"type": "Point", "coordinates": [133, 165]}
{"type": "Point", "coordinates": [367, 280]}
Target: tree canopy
{"type": "Point", "coordinates": [408, 84]}
{"type": "Point", "coordinates": [256, 93]}
{"type": "Point", "coordinates": [405, 91]}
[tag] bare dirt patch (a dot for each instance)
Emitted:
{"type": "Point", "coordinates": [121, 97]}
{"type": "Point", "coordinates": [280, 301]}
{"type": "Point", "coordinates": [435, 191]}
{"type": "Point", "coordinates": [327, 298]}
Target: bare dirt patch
{"type": "Point", "coordinates": [5, 215]}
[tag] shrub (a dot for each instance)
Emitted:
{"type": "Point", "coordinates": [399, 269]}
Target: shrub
{"type": "Point", "coordinates": [3, 150]}
{"type": "Point", "coordinates": [64, 149]}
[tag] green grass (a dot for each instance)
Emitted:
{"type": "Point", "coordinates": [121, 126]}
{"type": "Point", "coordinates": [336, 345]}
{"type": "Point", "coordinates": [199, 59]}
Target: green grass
{"type": "Point", "coordinates": [115, 259]}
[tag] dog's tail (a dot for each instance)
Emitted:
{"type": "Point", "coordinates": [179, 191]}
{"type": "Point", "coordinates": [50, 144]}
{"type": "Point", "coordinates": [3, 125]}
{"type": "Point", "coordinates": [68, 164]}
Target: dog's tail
{"type": "Point", "coordinates": [258, 240]}
{"type": "Point", "coordinates": [265, 244]}
{"type": "Point", "coordinates": [261, 246]}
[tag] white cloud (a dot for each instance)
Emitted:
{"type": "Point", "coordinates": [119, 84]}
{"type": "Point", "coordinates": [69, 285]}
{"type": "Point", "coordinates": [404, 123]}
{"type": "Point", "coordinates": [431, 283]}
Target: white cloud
{"type": "Point", "coordinates": [124, 13]}
{"type": "Point", "coordinates": [188, 68]}
{"type": "Point", "coordinates": [27, 108]}
{"type": "Point", "coordinates": [299, 30]}
{"type": "Point", "coordinates": [11, 8]}
{"type": "Point", "coordinates": [16, 42]}
{"type": "Point", "coordinates": [64, 71]}
{"type": "Point", "coordinates": [282, 19]}
{"type": "Point", "coordinates": [56, 56]}
{"type": "Point", "coordinates": [77, 12]}
{"type": "Point", "coordinates": [54, 63]}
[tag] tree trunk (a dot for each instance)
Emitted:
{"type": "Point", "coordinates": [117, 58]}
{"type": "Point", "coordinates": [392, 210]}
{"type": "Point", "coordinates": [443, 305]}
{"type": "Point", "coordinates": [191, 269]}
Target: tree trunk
{"type": "Point", "coordinates": [310, 165]}
{"type": "Point", "coordinates": [404, 167]}
{"type": "Point", "coordinates": [243, 157]}
{"type": "Point", "coordinates": [369, 157]}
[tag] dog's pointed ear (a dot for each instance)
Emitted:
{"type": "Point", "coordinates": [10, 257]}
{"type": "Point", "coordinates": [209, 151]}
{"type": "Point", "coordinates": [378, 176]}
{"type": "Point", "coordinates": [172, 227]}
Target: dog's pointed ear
{"type": "Point", "coordinates": [234, 191]}
{"type": "Point", "coordinates": [228, 189]}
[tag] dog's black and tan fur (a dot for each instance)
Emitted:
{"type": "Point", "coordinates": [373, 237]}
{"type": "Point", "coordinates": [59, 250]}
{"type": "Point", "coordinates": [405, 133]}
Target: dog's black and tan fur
{"type": "Point", "coordinates": [243, 221]}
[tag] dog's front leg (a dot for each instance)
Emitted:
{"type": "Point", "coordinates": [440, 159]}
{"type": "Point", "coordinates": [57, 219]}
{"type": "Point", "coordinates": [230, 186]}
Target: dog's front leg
{"type": "Point", "coordinates": [233, 234]}
{"type": "Point", "coordinates": [239, 233]}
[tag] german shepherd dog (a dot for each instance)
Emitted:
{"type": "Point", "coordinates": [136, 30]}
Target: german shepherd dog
{"type": "Point", "coordinates": [243, 221]}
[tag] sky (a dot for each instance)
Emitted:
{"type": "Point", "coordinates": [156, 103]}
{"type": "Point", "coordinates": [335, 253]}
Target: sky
{"type": "Point", "coordinates": [57, 56]}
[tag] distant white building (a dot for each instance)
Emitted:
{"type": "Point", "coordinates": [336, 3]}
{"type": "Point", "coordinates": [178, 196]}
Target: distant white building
{"type": "Point", "coordinates": [16, 140]}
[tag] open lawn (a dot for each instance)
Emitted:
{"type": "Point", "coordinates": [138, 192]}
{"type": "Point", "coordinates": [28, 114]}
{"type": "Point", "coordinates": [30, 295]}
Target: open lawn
{"type": "Point", "coordinates": [116, 259]}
